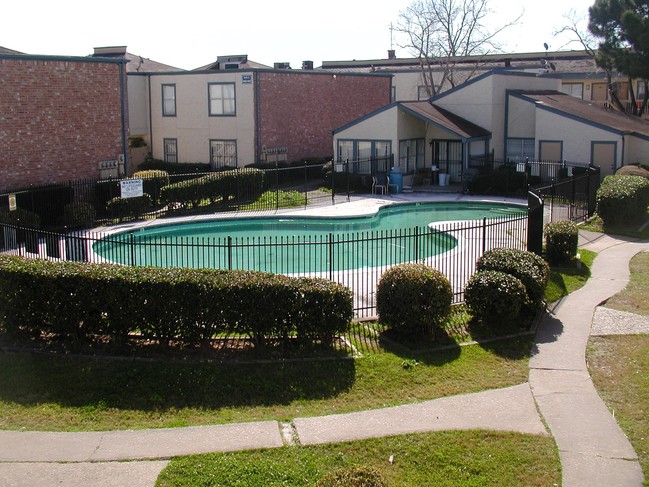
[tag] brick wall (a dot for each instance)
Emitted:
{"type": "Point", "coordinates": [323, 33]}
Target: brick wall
{"type": "Point", "coordinates": [300, 110]}
{"type": "Point", "coordinates": [58, 118]}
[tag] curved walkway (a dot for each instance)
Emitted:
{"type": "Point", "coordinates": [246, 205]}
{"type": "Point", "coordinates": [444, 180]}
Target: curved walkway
{"type": "Point", "coordinates": [593, 450]}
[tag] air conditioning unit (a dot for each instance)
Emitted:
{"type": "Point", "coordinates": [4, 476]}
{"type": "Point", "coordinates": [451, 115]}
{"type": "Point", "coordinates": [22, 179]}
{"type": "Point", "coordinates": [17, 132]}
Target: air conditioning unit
{"type": "Point", "coordinates": [109, 169]}
{"type": "Point", "coordinates": [120, 165]}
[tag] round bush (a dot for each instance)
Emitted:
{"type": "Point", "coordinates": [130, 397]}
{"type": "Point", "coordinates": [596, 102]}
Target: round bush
{"type": "Point", "coordinates": [622, 198]}
{"type": "Point", "coordinates": [632, 170]}
{"type": "Point", "coordinates": [495, 297]}
{"type": "Point", "coordinates": [353, 477]}
{"type": "Point", "coordinates": [561, 241]}
{"type": "Point", "coordinates": [413, 298]}
{"type": "Point", "coordinates": [528, 267]}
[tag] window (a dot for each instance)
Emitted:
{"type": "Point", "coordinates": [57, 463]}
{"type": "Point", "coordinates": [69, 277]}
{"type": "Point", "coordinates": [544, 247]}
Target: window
{"type": "Point", "coordinates": [411, 154]}
{"type": "Point", "coordinates": [520, 149]}
{"type": "Point", "coordinates": [223, 153]}
{"type": "Point", "coordinates": [422, 93]}
{"type": "Point", "coordinates": [367, 155]}
{"type": "Point", "coordinates": [573, 89]}
{"type": "Point", "coordinates": [170, 150]}
{"type": "Point", "coordinates": [393, 94]}
{"type": "Point", "coordinates": [640, 92]}
{"type": "Point", "coordinates": [168, 100]}
{"type": "Point", "coordinates": [222, 99]}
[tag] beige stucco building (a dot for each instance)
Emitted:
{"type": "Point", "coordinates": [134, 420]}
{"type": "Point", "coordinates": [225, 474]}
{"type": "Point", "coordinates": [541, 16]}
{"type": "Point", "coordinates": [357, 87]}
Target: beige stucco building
{"type": "Point", "coordinates": [500, 115]}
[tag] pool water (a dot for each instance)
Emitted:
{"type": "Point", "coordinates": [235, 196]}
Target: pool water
{"type": "Point", "coordinates": [299, 245]}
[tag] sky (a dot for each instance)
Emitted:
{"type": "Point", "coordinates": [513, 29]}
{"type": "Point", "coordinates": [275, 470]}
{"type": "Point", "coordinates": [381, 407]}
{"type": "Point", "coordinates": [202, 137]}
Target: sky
{"type": "Point", "coordinates": [190, 33]}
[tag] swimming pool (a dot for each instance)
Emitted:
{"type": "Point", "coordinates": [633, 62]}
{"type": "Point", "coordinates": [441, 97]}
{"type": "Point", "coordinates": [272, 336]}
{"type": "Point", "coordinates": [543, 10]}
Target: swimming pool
{"type": "Point", "coordinates": [300, 245]}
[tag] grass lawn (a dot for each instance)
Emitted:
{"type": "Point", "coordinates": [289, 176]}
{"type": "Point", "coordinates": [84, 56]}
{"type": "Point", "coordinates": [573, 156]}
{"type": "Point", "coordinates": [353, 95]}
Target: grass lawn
{"type": "Point", "coordinates": [473, 458]}
{"type": "Point", "coordinates": [569, 277]}
{"type": "Point", "coordinates": [74, 393]}
{"type": "Point", "coordinates": [619, 365]}
{"type": "Point", "coordinates": [83, 393]}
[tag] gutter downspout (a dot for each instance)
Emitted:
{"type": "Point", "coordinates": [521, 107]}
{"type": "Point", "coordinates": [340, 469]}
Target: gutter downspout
{"type": "Point", "coordinates": [122, 88]}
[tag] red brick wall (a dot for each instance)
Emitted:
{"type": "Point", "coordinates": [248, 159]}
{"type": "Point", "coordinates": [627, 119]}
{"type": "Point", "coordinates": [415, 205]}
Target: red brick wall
{"type": "Point", "coordinates": [58, 119]}
{"type": "Point", "coordinates": [300, 110]}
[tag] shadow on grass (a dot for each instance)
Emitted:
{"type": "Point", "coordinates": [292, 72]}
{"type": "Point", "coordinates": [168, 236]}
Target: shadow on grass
{"type": "Point", "coordinates": [438, 349]}
{"type": "Point", "coordinates": [31, 379]}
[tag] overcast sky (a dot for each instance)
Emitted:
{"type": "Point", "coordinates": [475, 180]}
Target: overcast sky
{"type": "Point", "coordinates": [190, 33]}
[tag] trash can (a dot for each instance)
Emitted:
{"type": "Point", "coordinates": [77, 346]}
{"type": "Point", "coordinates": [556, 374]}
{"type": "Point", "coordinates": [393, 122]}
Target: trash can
{"type": "Point", "coordinates": [443, 179]}
{"type": "Point", "coordinates": [396, 180]}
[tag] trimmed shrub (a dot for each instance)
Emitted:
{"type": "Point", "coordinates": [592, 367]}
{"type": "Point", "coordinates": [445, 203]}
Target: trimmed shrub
{"type": "Point", "coordinates": [175, 167]}
{"type": "Point", "coordinates": [495, 297]}
{"type": "Point", "coordinates": [153, 180]}
{"type": "Point", "coordinates": [413, 298]}
{"type": "Point", "coordinates": [185, 306]}
{"type": "Point", "coordinates": [633, 170]}
{"type": "Point", "coordinates": [79, 214]}
{"type": "Point", "coordinates": [622, 199]}
{"type": "Point", "coordinates": [355, 476]}
{"type": "Point", "coordinates": [239, 184]}
{"type": "Point", "coordinates": [528, 267]}
{"type": "Point", "coordinates": [20, 218]}
{"type": "Point", "coordinates": [561, 241]}
{"type": "Point", "coordinates": [129, 207]}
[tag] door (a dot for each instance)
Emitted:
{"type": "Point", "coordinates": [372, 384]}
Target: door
{"type": "Point", "coordinates": [604, 155]}
{"type": "Point", "coordinates": [550, 151]}
{"type": "Point", "coordinates": [599, 92]}
{"type": "Point", "coordinates": [448, 156]}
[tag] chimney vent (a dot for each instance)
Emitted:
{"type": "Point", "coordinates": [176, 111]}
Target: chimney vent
{"type": "Point", "coordinates": [307, 64]}
{"type": "Point", "coordinates": [392, 54]}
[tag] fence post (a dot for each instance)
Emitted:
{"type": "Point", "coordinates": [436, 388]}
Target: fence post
{"type": "Point", "coordinates": [417, 243]}
{"type": "Point", "coordinates": [229, 252]}
{"type": "Point", "coordinates": [534, 223]}
{"type": "Point", "coordinates": [347, 172]}
{"type": "Point", "coordinates": [330, 244]}
{"type": "Point", "coordinates": [132, 248]}
{"type": "Point", "coordinates": [333, 183]}
{"type": "Point", "coordinates": [306, 192]}
{"type": "Point", "coordinates": [484, 235]}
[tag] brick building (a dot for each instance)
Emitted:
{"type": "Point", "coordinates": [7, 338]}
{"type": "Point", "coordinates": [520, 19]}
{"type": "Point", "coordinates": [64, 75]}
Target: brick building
{"type": "Point", "coordinates": [234, 113]}
{"type": "Point", "coordinates": [59, 117]}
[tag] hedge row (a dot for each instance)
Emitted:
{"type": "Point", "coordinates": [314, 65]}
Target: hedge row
{"type": "Point", "coordinates": [622, 199]}
{"type": "Point", "coordinates": [186, 306]}
{"type": "Point", "coordinates": [239, 184]}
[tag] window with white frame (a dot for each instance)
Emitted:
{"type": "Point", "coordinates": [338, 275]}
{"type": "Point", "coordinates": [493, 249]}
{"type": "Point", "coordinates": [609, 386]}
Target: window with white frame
{"type": "Point", "coordinates": [345, 150]}
{"type": "Point", "coordinates": [520, 149]}
{"type": "Point", "coordinates": [170, 150]}
{"type": "Point", "coordinates": [168, 100]}
{"type": "Point", "coordinates": [222, 99]}
{"type": "Point", "coordinates": [223, 153]}
{"type": "Point", "coordinates": [573, 89]}
{"type": "Point", "coordinates": [411, 154]}
{"type": "Point", "coordinates": [640, 92]}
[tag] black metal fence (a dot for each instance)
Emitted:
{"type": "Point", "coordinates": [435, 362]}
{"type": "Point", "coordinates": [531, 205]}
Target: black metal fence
{"type": "Point", "coordinates": [355, 260]}
{"type": "Point", "coordinates": [86, 203]}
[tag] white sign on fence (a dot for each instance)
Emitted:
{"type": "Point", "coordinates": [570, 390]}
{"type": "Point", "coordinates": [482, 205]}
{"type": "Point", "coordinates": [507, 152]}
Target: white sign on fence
{"type": "Point", "coordinates": [131, 188]}
{"type": "Point", "coordinates": [12, 202]}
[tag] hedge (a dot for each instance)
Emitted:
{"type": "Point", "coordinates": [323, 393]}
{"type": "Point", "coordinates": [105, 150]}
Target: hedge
{"type": "Point", "coordinates": [561, 241]}
{"type": "Point", "coordinates": [186, 306]}
{"type": "Point", "coordinates": [239, 184]}
{"type": "Point", "coordinates": [526, 266]}
{"type": "Point", "coordinates": [622, 199]}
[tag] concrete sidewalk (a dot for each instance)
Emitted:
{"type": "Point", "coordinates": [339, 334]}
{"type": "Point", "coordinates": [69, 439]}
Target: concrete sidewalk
{"type": "Point", "coordinates": [593, 450]}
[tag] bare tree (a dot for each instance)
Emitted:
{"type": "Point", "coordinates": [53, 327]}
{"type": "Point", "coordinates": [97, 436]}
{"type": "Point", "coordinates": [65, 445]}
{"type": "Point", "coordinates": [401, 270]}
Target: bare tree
{"type": "Point", "coordinates": [578, 33]}
{"type": "Point", "coordinates": [439, 32]}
